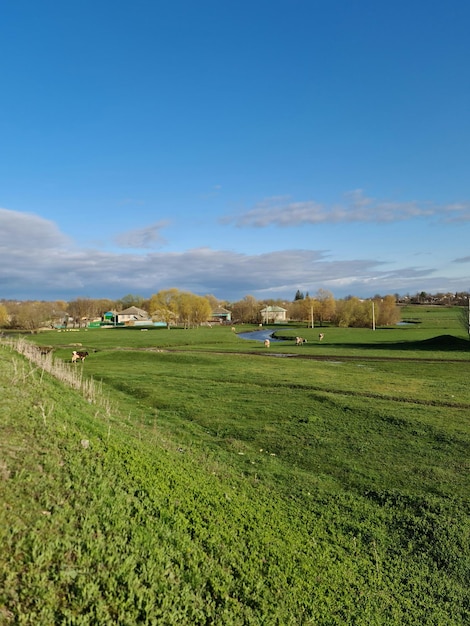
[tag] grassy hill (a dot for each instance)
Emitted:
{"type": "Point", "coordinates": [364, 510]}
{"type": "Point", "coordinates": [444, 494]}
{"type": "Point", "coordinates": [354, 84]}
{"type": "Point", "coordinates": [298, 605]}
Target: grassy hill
{"type": "Point", "coordinates": [205, 487]}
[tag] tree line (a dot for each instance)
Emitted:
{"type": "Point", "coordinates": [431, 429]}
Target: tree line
{"type": "Point", "coordinates": [176, 307]}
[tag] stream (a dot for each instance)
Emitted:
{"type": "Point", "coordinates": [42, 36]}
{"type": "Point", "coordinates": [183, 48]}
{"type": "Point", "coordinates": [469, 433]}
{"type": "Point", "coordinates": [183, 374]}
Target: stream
{"type": "Point", "coordinates": [261, 335]}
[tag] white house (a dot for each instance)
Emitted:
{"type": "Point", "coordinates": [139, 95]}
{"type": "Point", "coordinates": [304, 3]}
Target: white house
{"type": "Point", "coordinates": [132, 315]}
{"type": "Point", "coordinates": [273, 315]}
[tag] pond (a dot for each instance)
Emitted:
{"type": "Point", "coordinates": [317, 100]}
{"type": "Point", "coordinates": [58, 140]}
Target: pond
{"type": "Point", "coordinates": [261, 335]}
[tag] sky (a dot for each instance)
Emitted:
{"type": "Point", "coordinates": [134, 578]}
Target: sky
{"type": "Point", "coordinates": [256, 147]}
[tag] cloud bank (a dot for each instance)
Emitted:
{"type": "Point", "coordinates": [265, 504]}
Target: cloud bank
{"type": "Point", "coordinates": [38, 262]}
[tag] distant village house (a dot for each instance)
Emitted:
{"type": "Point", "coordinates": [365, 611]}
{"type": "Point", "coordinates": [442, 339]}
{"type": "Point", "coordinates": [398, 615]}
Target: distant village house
{"type": "Point", "coordinates": [221, 316]}
{"type": "Point", "coordinates": [273, 315]}
{"type": "Point", "coordinates": [133, 315]}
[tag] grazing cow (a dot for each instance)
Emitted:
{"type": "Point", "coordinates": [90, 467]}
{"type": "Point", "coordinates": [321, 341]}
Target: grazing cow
{"type": "Point", "coordinates": [299, 341]}
{"type": "Point", "coordinates": [81, 354]}
{"type": "Point", "coordinates": [267, 343]}
{"type": "Point", "coordinates": [320, 336]}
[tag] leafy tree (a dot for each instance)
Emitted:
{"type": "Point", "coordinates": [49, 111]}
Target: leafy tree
{"type": "Point", "coordinates": [201, 310]}
{"type": "Point", "coordinates": [352, 312]}
{"type": "Point", "coordinates": [327, 306]}
{"type": "Point", "coordinates": [387, 311]}
{"type": "Point", "coordinates": [185, 308]}
{"type": "Point", "coordinates": [296, 311]}
{"type": "Point", "coordinates": [164, 306]}
{"type": "Point", "coordinates": [302, 310]}
{"type": "Point", "coordinates": [193, 310]}
{"type": "Point", "coordinates": [174, 306]}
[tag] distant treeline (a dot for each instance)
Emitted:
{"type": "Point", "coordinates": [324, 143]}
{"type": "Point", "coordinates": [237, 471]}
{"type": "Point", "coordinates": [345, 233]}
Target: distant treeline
{"type": "Point", "coordinates": [173, 306]}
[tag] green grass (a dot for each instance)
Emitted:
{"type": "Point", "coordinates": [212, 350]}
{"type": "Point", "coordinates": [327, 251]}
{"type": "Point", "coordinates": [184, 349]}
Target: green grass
{"type": "Point", "coordinates": [232, 487]}
{"type": "Point", "coordinates": [434, 334]}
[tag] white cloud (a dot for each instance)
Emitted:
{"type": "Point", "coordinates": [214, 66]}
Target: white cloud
{"type": "Point", "coordinates": [280, 211]}
{"type": "Point", "coordinates": [27, 232]}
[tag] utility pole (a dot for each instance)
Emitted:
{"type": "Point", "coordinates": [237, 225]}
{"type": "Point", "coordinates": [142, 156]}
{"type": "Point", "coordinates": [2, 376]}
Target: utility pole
{"type": "Point", "coordinates": [468, 318]}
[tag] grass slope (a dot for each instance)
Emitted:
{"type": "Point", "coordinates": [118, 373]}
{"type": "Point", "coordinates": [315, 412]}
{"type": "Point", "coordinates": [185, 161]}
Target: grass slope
{"type": "Point", "coordinates": [236, 490]}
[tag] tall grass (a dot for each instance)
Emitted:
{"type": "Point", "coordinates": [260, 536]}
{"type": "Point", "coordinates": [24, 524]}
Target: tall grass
{"type": "Point", "coordinates": [43, 361]}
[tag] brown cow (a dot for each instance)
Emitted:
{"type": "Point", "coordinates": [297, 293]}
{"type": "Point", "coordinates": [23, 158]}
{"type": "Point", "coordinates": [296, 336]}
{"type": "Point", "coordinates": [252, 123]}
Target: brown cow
{"type": "Point", "coordinates": [81, 354]}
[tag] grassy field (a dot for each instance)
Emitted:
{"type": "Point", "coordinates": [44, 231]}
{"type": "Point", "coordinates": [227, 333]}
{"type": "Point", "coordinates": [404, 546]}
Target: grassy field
{"type": "Point", "coordinates": [429, 333]}
{"type": "Point", "coordinates": [218, 482]}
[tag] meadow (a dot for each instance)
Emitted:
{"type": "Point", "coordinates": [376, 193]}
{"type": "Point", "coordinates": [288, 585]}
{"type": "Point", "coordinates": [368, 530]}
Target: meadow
{"type": "Point", "coordinates": [220, 482]}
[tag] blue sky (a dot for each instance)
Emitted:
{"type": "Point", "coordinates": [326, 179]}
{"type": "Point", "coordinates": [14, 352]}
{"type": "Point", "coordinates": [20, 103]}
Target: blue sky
{"type": "Point", "coordinates": [234, 148]}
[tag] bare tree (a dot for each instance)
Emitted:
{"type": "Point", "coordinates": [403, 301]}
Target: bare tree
{"type": "Point", "coordinates": [81, 310]}
{"type": "Point", "coordinates": [30, 315]}
{"type": "Point", "coordinates": [302, 309]}
{"type": "Point", "coordinates": [4, 317]}
{"type": "Point", "coordinates": [247, 310]}
{"type": "Point", "coordinates": [103, 305]}
{"type": "Point", "coordinates": [213, 301]}
{"type": "Point", "coordinates": [464, 317]}
{"type": "Point", "coordinates": [130, 300]}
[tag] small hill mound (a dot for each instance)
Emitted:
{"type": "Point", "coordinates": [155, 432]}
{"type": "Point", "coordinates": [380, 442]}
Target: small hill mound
{"type": "Point", "coordinates": [445, 342]}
